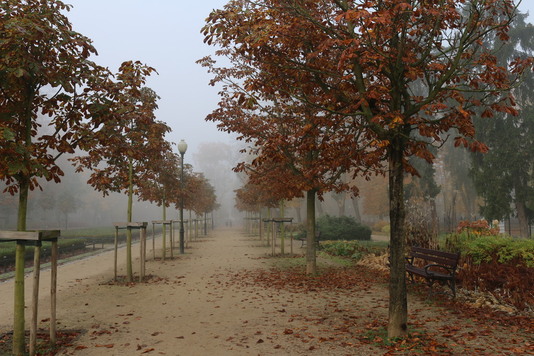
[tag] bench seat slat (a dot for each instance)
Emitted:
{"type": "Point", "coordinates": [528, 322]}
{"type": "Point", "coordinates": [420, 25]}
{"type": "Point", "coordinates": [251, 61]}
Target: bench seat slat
{"type": "Point", "coordinates": [439, 260]}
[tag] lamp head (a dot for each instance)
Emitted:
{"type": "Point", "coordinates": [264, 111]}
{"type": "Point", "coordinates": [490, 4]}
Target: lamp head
{"type": "Point", "coordinates": [182, 147]}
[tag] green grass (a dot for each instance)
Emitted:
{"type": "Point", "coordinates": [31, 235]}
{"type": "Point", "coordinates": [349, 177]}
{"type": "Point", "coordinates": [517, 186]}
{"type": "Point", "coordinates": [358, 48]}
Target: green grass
{"type": "Point", "coordinates": [103, 231]}
{"type": "Point", "coordinates": [323, 260]}
{"type": "Point", "coordinates": [69, 240]}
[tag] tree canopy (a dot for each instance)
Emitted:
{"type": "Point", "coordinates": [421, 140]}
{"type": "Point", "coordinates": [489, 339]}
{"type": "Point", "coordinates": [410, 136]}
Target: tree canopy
{"type": "Point", "coordinates": [44, 74]}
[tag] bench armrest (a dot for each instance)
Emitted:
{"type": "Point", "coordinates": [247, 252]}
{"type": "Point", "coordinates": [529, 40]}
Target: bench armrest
{"type": "Point", "coordinates": [430, 272]}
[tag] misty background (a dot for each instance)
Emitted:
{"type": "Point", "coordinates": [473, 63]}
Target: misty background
{"type": "Point", "coordinates": [166, 35]}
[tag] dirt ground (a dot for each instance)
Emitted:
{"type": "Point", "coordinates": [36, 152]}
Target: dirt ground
{"type": "Point", "coordinates": [222, 297]}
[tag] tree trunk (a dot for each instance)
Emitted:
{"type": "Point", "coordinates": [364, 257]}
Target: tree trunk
{"type": "Point", "coordinates": [319, 205]}
{"type": "Point", "coordinates": [435, 223]}
{"type": "Point", "coordinates": [18, 313]}
{"type": "Point", "coordinates": [18, 325]}
{"type": "Point", "coordinates": [521, 209]}
{"type": "Point", "coordinates": [356, 208]}
{"type": "Point", "coordinates": [398, 306]}
{"type": "Point", "coordinates": [340, 200]}
{"type": "Point", "coordinates": [129, 270]}
{"type": "Point", "coordinates": [298, 211]}
{"type": "Point", "coordinates": [311, 261]}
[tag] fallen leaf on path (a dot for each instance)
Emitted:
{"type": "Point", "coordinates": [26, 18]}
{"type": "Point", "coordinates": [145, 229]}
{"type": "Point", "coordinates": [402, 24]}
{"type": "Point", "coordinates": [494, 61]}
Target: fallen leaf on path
{"type": "Point", "coordinates": [108, 346]}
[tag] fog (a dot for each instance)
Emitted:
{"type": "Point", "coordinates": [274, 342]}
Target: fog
{"type": "Point", "coordinates": [166, 35]}
{"type": "Point", "coordinates": [73, 203]}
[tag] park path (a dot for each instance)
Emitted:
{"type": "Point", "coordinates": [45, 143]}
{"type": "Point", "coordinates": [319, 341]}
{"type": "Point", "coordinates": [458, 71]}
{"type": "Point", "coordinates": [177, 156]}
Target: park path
{"type": "Point", "coordinates": [206, 303]}
{"type": "Point", "coordinates": [192, 306]}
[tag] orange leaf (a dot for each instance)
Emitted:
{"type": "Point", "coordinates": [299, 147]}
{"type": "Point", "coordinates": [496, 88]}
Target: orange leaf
{"type": "Point", "coordinates": [109, 346]}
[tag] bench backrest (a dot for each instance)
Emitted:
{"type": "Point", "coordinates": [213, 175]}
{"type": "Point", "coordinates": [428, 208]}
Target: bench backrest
{"type": "Point", "coordinates": [439, 257]}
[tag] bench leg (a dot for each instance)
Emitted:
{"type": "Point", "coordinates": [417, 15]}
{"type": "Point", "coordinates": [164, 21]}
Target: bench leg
{"type": "Point", "coordinates": [452, 286]}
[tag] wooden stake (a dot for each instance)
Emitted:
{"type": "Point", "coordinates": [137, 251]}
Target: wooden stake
{"type": "Point", "coordinates": [170, 239]}
{"type": "Point", "coordinates": [164, 247]}
{"type": "Point", "coordinates": [53, 294]}
{"type": "Point", "coordinates": [115, 257]}
{"type": "Point", "coordinates": [35, 297]}
{"type": "Point", "coordinates": [142, 241]}
{"type": "Point", "coordinates": [153, 243]}
{"type": "Point", "coordinates": [291, 242]}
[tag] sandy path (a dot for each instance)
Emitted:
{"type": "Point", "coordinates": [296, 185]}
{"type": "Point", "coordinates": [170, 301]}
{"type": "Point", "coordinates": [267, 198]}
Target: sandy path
{"type": "Point", "coordinates": [203, 303]}
{"type": "Point", "coordinates": [189, 308]}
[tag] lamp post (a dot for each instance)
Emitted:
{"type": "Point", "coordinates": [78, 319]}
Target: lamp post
{"type": "Point", "coordinates": [182, 147]}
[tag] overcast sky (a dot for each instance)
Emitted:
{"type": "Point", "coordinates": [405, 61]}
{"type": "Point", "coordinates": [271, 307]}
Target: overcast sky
{"type": "Point", "coordinates": [164, 34]}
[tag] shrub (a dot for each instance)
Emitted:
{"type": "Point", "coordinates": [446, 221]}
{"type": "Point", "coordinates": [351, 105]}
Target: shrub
{"type": "Point", "coordinates": [342, 228]}
{"type": "Point", "coordinates": [353, 249]}
{"type": "Point", "coordinates": [380, 225]}
{"type": "Point", "coordinates": [7, 252]}
{"type": "Point", "coordinates": [478, 228]}
{"type": "Point", "coordinates": [340, 248]}
{"type": "Point", "coordinates": [499, 264]}
{"type": "Point", "coordinates": [501, 248]}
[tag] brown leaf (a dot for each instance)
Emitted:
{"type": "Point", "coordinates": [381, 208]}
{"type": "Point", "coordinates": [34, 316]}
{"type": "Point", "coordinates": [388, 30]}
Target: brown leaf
{"type": "Point", "coordinates": [108, 346]}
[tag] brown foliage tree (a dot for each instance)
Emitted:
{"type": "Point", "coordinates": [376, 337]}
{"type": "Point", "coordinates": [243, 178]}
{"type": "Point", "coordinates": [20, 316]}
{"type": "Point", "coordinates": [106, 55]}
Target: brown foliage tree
{"type": "Point", "coordinates": [44, 68]}
{"type": "Point", "coordinates": [124, 153]}
{"type": "Point", "coordinates": [396, 70]}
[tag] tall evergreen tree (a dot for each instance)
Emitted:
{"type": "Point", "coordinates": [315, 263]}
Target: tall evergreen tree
{"type": "Point", "coordinates": [503, 177]}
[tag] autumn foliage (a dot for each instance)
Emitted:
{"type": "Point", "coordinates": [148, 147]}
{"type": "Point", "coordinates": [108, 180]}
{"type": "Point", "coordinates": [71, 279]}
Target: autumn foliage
{"type": "Point", "coordinates": [357, 83]}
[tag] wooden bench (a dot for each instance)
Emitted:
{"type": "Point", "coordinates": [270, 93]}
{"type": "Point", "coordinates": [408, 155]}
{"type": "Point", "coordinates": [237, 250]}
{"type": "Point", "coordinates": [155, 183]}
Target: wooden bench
{"type": "Point", "coordinates": [433, 265]}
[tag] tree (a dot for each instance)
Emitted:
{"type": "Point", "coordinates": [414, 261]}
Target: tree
{"type": "Point", "coordinates": [43, 68]}
{"type": "Point", "coordinates": [124, 154]}
{"type": "Point", "coordinates": [363, 60]}
{"type": "Point", "coordinates": [504, 176]}
{"type": "Point", "coordinates": [164, 187]}
{"type": "Point", "coordinates": [215, 160]}
{"type": "Point", "coordinates": [205, 200]}
{"type": "Point", "coordinates": [459, 193]}
{"type": "Point", "coordinates": [375, 196]}
{"type": "Point", "coordinates": [67, 203]}
{"type": "Point", "coordinates": [422, 190]}
{"type": "Point", "coordinates": [296, 148]}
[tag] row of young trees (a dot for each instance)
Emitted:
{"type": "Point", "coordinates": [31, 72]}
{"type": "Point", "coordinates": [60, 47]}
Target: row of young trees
{"type": "Point", "coordinates": [55, 101]}
{"type": "Point", "coordinates": [323, 88]}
